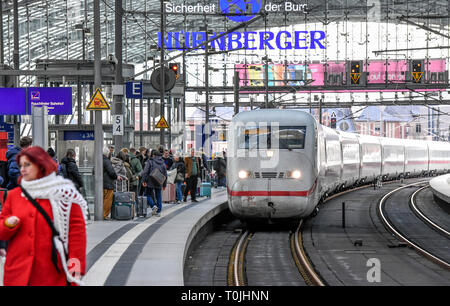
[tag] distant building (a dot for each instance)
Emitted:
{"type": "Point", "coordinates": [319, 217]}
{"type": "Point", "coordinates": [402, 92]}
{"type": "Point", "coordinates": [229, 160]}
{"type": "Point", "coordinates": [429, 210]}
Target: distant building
{"type": "Point", "coordinates": [393, 121]}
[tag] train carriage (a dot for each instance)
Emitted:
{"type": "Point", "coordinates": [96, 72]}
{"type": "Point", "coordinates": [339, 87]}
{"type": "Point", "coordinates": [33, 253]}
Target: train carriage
{"type": "Point", "coordinates": [416, 158]}
{"type": "Point", "coordinates": [439, 157]}
{"type": "Point", "coordinates": [370, 158]}
{"type": "Point", "coordinates": [350, 158]}
{"type": "Point", "coordinates": [393, 156]}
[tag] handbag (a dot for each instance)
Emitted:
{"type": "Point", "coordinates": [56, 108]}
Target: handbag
{"type": "Point", "coordinates": [179, 177]}
{"type": "Point", "coordinates": [171, 176]}
{"type": "Point", "coordinates": [157, 177]}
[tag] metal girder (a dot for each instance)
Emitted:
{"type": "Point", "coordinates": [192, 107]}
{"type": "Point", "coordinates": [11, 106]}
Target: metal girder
{"type": "Point", "coordinates": [293, 89]}
{"type": "Point", "coordinates": [305, 104]}
{"type": "Point", "coordinates": [53, 70]}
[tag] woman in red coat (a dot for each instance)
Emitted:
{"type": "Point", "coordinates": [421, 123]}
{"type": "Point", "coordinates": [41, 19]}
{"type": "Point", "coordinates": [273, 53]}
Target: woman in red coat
{"type": "Point", "coordinates": [34, 256]}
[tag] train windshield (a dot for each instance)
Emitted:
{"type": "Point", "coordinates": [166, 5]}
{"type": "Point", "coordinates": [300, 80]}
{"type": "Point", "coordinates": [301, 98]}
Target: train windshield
{"type": "Point", "coordinates": [281, 137]}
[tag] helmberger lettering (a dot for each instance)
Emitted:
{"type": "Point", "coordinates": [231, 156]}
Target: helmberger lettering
{"type": "Point", "coordinates": [283, 40]}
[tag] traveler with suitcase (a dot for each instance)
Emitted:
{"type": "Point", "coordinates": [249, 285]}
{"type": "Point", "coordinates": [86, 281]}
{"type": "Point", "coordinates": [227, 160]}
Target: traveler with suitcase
{"type": "Point", "coordinates": [179, 178]}
{"type": "Point", "coordinates": [109, 176]}
{"type": "Point", "coordinates": [154, 178]}
{"type": "Point", "coordinates": [193, 171]}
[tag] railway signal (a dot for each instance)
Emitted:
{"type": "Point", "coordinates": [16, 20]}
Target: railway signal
{"type": "Point", "coordinates": [417, 71]}
{"type": "Point", "coordinates": [175, 67]}
{"type": "Point", "coordinates": [355, 72]}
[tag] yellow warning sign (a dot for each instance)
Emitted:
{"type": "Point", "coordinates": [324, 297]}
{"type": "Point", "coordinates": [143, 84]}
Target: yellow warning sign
{"type": "Point", "coordinates": [162, 123]}
{"type": "Point", "coordinates": [355, 77]}
{"type": "Point", "coordinates": [98, 102]}
{"type": "Point", "coordinates": [417, 76]}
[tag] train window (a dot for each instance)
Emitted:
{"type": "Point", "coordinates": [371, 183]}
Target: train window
{"type": "Point", "coordinates": [282, 137]}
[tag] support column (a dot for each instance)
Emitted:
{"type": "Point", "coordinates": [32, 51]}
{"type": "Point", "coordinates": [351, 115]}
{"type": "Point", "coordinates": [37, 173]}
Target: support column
{"type": "Point", "coordinates": [39, 126]}
{"type": "Point", "coordinates": [118, 99]}
{"type": "Point", "coordinates": [16, 66]}
{"type": "Point", "coordinates": [236, 92]}
{"type": "Point", "coordinates": [98, 131]}
{"type": "Point", "coordinates": [163, 90]}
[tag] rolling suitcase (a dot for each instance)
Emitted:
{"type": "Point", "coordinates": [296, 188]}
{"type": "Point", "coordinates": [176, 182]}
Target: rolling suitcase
{"type": "Point", "coordinates": [141, 206]}
{"type": "Point", "coordinates": [169, 195]}
{"type": "Point", "coordinates": [205, 189]}
{"type": "Point", "coordinates": [123, 203]}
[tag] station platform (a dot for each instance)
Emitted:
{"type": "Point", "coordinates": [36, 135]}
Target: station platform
{"type": "Point", "coordinates": [148, 251]}
{"type": "Point", "coordinates": [441, 187]}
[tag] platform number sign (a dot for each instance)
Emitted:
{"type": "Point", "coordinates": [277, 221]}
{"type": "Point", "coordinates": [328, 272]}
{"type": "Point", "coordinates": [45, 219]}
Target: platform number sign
{"type": "Point", "coordinates": [118, 125]}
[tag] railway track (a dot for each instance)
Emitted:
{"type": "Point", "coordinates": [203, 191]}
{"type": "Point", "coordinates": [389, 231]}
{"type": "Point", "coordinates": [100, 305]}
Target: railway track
{"type": "Point", "coordinates": [421, 215]}
{"type": "Point", "coordinates": [401, 231]}
{"type": "Point", "coordinates": [237, 275]}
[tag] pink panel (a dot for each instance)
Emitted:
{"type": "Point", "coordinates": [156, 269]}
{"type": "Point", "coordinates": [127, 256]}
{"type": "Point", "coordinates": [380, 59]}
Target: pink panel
{"type": "Point", "coordinates": [396, 71]}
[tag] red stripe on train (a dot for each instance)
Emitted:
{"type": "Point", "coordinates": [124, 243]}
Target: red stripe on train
{"type": "Point", "coordinates": [272, 193]}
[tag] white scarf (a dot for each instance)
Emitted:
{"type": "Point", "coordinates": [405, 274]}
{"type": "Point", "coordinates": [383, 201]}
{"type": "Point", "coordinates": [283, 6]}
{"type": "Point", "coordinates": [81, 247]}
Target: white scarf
{"type": "Point", "coordinates": [61, 193]}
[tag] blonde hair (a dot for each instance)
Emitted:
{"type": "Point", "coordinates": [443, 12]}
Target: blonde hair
{"type": "Point", "coordinates": [125, 150]}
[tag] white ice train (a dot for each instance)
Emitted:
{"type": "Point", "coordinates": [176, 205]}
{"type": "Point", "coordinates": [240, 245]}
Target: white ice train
{"type": "Point", "coordinates": [282, 163]}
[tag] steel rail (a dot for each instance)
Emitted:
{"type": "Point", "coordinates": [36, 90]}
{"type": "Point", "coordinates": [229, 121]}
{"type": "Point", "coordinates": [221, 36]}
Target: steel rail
{"type": "Point", "coordinates": [385, 220]}
{"type": "Point", "coordinates": [236, 262]}
{"type": "Point", "coordinates": [303, 264]}
{"type": "Point", "coordinates": [422, 216]}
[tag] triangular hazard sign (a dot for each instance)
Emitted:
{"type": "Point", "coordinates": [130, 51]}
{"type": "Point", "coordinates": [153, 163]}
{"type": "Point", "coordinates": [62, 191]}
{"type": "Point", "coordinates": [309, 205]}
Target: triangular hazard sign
{"type": "Point", "coordinates": [98, 102]}
{"type": "Point", "coordinates": [162, 123]}
{"type": "Point", "coordinates": [417, 76]}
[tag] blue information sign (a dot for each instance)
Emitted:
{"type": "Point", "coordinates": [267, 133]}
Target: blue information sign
{"type": "Point", "coordinates": [134, 90]}
{"type": "Point", "coordinates": [78, 135]}
{"type": "Point", "coordinates": [57, 99]}
{"type": "Point", "coordinates": [13, 101]}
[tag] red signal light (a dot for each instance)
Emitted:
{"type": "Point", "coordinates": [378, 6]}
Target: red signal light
{"type": "Point", "coordinates": [174, 68]}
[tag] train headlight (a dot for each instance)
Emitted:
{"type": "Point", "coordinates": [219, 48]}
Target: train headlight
{"type": "Point", "coordinates": [296, 174]}
{"type": "Point", "coordinates": [269, 153]}
{"type": "Point", "coordinates": [243, 174]}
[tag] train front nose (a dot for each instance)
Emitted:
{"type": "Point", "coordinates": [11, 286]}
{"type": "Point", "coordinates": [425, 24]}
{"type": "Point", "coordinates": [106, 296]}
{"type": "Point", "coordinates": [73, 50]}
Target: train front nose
{"type": "Point", "coordinates": [270, 198]}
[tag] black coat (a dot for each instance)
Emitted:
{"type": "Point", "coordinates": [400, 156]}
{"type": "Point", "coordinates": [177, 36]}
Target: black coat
{"type": "Point", "coordinates": [109, 175]}
{"type": "Point", "coordinates": [71, 171]}
{"type": "Point", "coordinates": [220, 166]}
{"type": "Point", "coordinates": [181, 168]}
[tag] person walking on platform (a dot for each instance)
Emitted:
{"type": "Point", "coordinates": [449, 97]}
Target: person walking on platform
{"type": "Point", "coordinates": [141, 155]}
{"type": "Point", "coordinates": [44, 220]}
{"type": "Point", "coordinates": [52, 154]}
{"type": "Point", "coordinates": [69, 169]}
{"type": "Point", "coordinates": [168, 161]}
{"type": "Point", "coordinates": [111, 152]}
{"type": "Point", "coordinates": [136, 167]}
{"type": "Point", "coordinates": [193, 170]}
{"type": "Point", "coordinates": [109, 176]}
{"type": "Point", "coordinates": [130, 176]}
{"type": "Point", "coordinates": [179, 179]}
{"type": "Point", "coordinates": [220, 166]}
{"type": "Point", "coordinates": [154, 178]}
{"type": "Point", "coordinates": [121, 171]}
{"type": "Point", "coordinates": [13, 170]}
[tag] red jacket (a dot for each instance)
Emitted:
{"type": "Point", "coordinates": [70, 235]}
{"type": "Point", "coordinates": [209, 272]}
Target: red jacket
{"type": "Point", "coordinates": [28, 259]}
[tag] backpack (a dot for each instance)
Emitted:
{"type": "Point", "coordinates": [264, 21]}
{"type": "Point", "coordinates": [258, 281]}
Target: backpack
{"type": "Point", "coordinates": [64, 171]}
